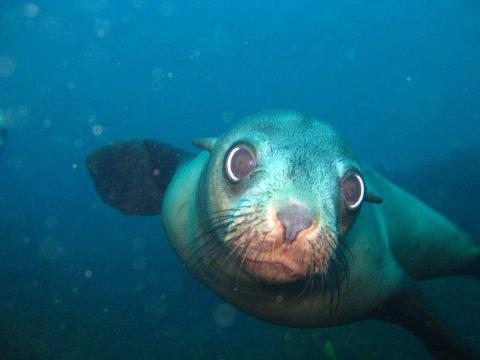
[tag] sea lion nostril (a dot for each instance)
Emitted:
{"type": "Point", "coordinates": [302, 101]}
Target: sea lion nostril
{"type": "Point", "coordinates": [295, 218]}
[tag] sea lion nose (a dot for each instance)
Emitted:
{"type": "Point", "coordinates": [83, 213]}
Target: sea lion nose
{"type": "Point", "coordinates": [295, 218]}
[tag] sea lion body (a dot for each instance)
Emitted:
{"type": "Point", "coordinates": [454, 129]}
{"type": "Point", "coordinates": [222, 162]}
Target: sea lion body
{"type": "Point", "coordinates": [375, 272]}
{"type": "Point", "coordinates": [280, 218]}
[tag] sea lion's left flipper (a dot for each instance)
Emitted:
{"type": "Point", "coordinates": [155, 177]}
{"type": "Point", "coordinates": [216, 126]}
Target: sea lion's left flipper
{"type": "Point", "coordinates": [411, 311]}
{"type": "Point", "coordinates": [132, 176]}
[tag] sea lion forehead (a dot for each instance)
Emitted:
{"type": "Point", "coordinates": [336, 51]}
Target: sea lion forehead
{"type": "Point", "coordinates": [281, 122]}
{"type": "Point", "coordinates": [286, 130]}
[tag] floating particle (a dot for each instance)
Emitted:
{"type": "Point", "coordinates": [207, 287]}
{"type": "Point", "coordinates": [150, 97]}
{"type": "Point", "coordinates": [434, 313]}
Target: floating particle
{"type": "Point", "coordinates": [157, 84]}
{"type": "Point", "coordinates": [329, 350]}
{"type": "Point", "coordinates": [166, 8]}
{"type": "Point", "coordinates": [224, 315]}
{"type": "Point", "coordinates": [26, 240]}
{"type": "Point", "coordinates": [17, 116]}
{"type": "Point", "coordinates": [228, 116]}
{"type": "Point", "coordinates": [139, 263]}
{"type": "Point", "coordinates": [50, 222]}
{"type": "Point", "coordinates": [78, 143]}
{"type": "Point", "coordinates": [137, 3]}
{"type": "Point", "coordinates": [74, 166]}
{"type": "Point", "coordinates": [31, 10]}
{"type": "Point", "coordinates": [75, 290]}
{"type": "Point", "coordinates": [88, 274]}
{"type": "Point", "coordinates": [408, 78]}
{"type": "Point", "coordinates": [97, 130]}
{"type": "Point", "coordinates": [156, 172]}
{"type": "Point", "coordinates": [139, 244]}
{"type": "Point", "coordinates": [350, 53]}
{"type": "Point", "coordinates": [158, 72]}
{"type": "Point", "coordinates": [8, 65]}
{"type": "Point", "coordinates": [71, 84]}
{"type": "Point", "coordinates": [102, 27]}
{"type": "Point", "coordinates": [47, 123]}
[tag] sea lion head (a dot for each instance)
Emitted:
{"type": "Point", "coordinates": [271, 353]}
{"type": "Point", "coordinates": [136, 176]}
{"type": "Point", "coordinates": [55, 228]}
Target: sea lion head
{"type": "Point", "coordinates": [280, 191]}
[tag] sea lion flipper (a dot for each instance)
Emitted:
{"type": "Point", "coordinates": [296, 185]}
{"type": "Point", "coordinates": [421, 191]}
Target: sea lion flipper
{"type": "Point", "coordinates": [132, 176]}
{"type": "Point", "coordinates": [412, 312]}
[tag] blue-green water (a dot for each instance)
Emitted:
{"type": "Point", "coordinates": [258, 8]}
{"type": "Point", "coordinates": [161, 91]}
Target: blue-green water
{"type": "Point", "coordinates": [79, 280]}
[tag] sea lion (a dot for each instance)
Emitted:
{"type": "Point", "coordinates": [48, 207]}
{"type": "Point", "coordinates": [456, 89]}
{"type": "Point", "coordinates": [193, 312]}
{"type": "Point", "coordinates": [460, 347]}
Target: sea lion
{"type": "Point", "coordinates": [280, 218]}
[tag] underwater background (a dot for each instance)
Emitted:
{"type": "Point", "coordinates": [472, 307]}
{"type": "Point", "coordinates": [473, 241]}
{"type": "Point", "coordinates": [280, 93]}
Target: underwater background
{"type": "Point", "coordinates": [79, 280]}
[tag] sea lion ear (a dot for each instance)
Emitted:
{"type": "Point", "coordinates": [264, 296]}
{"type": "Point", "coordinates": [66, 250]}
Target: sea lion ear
{"type": "Point", "coordinates": [372, 198]}
{"type": "Point", "coordinates": [132, 176]}
{"type": "Point", "coordinates": [205, 143]}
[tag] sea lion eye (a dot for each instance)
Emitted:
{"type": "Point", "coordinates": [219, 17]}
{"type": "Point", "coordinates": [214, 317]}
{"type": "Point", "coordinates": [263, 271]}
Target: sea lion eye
{"type": "Point", "coordinates": [240, 162]}
{"type": "Point", "coordinates": [353, 190]}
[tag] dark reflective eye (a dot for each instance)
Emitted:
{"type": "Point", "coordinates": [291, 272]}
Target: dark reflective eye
{"type": "Point", "coordinates": [353, 190]}
{"type": "Point", "coordinates": [239, 162]}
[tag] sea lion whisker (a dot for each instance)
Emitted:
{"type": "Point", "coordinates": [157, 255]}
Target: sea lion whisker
{"type": "Point", "coordinates": [261, 244]}
{"type": "Point", "coordinates": [242, 263]}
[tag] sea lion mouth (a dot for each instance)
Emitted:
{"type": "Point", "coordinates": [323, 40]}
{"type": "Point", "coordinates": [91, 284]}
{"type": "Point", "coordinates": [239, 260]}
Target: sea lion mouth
{"type": "Point", "coordinates": [248, 245]}
{"type": "Point", "coordinates": [273, 272]}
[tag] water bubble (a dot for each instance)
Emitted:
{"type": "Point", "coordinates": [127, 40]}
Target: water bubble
{"type": "Point", "coordinates": [97, 130]}
{"type": "Point", "coordinates": [8, 65]}
{"type": "Point", "coordinates": [88, 273]}
{"type": "Point", "coordinates": [31, 10]}
{"type": "Point", "coordinates": [224, 315]}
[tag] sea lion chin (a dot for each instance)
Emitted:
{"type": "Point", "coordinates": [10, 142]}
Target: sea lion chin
{"type": "Point", "coordinates": [279, 217]}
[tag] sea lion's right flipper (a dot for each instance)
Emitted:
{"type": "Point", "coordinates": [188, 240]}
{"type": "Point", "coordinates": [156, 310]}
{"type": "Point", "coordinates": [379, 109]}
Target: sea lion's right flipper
{"type": "Point", "coordinates": [132, 176]}
{"type": "Point", "coordinates": [411, 311]}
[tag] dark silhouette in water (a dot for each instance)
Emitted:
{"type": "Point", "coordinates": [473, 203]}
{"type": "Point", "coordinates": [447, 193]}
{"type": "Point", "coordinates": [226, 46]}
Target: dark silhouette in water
{"type": "Point", "coordinates": [449, 185]}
